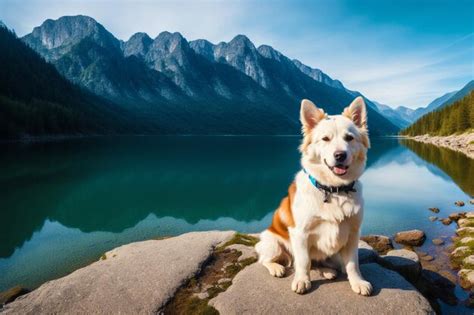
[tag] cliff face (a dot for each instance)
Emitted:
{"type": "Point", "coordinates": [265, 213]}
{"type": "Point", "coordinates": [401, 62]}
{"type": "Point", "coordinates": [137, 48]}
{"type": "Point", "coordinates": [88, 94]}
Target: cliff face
{"type": "Point", "coordinates": [152, 276]}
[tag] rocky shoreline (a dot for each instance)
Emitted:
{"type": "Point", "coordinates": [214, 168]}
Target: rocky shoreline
{"type": "Point", "coordinates": [463, 143]}
{"type": "Point", "coordinates": [215, 272]}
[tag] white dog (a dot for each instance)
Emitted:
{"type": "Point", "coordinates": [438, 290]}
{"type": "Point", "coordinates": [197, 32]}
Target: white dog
{"type": "Point", "coordinates": [321, 216]}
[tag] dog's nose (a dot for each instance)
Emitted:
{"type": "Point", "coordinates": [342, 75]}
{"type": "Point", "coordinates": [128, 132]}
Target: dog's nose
{"type": "Point", "coordinates": [340, 156]}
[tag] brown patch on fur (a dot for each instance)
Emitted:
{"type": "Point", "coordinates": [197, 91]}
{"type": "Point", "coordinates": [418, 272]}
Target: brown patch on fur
{"type": "Point", "coordinates": [283, 217]}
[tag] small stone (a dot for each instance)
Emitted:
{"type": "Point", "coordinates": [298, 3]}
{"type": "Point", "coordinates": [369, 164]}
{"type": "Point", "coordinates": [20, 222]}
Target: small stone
{"type": "Point", "coordinates": [471, 201]}
{"type": "Point", "coordinates": [410, 238]}
{"type": "Point", "coordinates": [446, 221]}
{"type": "Point", "coordinates": [465, 222]}
{"type": "Point", "coordinates": [466, 240]}
{"type": "Point", "coordinates": [466, 278]}
{"type": "Point", "coordinates": [202, 295]}
{"type": "Point", "coordinates": [456, 215]}
{"type": "Point", "coordinates": [220, 281]}
{"type": "Point", "coordinates": [433, 218]}
{"type": "Point", "coordinates": [404, 262]}
{"type": "Point", "coordinates": [438, 241]}
{"type": "Point", "coordinates": [435, 210]}
{"type": "Point", "coordinates": [469, 230]}
{"type": "Point", "coordinates": [380, 243]}
{"type": "Point", "coordinates": [427, 258]}
{"type": "Point", "coordinates": [468, 261]}
{"type": "Point", "coordinates": [461, 251]}
{"type": "Point", "coordinates": [459, 203]}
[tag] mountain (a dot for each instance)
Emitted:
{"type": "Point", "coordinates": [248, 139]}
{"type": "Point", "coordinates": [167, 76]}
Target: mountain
{"type": "Point", "coordinates": [36, 100]}
{"type": "Point", "coordinates": [191, 87]}
{"type": "Point", "coordinates": [457, 117]}
{"type": "Point", "coordinates": [318, 75]}
{"type": "Point", "coordinates": [394, 116]}
{"type": "Point", "coordinates": [411, 115]}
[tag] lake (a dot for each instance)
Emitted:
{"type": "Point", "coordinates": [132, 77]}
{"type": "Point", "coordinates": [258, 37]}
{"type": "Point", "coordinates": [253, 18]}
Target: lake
{"type": "Point", "coordinates": [64, 203]}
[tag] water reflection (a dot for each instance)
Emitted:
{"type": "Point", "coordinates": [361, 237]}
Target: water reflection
{"type": "Point", "coordinates": [65, 203]}
{"type": "Point", "coordinates": [454, 164]}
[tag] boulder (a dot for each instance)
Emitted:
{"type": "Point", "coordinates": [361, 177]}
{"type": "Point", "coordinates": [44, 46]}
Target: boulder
{"type": "Point", "coordinates": [459, 203]}
{"type": "Point", "coordinates": [410, 238]}
{"type": "Point", "coordinates": [132, 279]}
{"type": "Point", "coordinates": [469, 214]}
{"type": "Point", "coordinates": [437, 241]}
{"type": "Point", "coordinates": [404, 262]}
{"type": "Point", "coordinates": [438, 286]}
{"type": "Point", "coordinates": [380, 243]}
{"type": "Point", "coordinates": [433, 218]}
{"type": "Point", "coordinates": [254, 291]}
{"type": "Point", "coordinates": [466, 278]}
{"type": "Point", "coordinates": [366, 253]}
{"type": "Point", "coordinates": [471, 201]}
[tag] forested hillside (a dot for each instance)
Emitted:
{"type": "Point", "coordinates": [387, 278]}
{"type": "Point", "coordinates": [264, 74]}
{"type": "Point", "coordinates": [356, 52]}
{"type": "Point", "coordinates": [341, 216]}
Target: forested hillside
{"type": "Point", "coordinates": [456, 118]}
{"type": "Point", "coordinates": [36, 100]}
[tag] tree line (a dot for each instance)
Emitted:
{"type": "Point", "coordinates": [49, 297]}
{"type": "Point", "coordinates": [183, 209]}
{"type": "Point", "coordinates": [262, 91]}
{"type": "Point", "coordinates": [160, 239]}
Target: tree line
{"type": "Point", "coordinates": [453, 119]}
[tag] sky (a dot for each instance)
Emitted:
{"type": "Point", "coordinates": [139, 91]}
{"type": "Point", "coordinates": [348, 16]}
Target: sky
{"type": "Point", "coordinates": [405, 52]}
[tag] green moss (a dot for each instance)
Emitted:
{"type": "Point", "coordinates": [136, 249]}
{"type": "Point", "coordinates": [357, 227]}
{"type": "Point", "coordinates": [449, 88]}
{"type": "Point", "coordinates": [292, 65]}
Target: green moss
{"type": "Point", "coordinates": [239, 238]}
{"type": "Point", "coordinates": [197, 306]}
{"type": "Point", "coordinates": [103, 257]}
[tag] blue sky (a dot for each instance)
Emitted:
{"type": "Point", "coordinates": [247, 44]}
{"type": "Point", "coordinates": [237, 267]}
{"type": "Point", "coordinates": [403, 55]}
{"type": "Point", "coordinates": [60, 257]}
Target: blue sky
{"type": "Point", "coordinates": [395, 52]}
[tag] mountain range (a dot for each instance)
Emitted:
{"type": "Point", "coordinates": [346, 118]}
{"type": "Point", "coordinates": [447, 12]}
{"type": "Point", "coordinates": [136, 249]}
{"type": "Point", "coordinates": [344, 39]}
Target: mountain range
{"type": "Point", "coordinates": [403, 116]}
{"type": "Point", "coordinates": [170, 85]}
{"type": "Point", "coordinates": [192, 87]}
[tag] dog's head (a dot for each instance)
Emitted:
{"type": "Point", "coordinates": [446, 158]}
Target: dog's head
{"type": "Point", "coordinates": [334, 148]}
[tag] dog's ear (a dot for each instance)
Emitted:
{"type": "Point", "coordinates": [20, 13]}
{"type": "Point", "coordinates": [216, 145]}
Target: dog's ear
{"type": "Point", "coordinates": [357, 112]}
{"type": "Point", "coordinates": [310, 115]}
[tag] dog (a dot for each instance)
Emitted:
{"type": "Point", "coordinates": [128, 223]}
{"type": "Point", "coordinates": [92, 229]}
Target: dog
{"type": "Point", "coordinates": [320, 218]}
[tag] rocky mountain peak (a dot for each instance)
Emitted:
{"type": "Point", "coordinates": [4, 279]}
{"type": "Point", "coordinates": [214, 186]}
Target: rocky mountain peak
{"type": "Point", "coordinates": [204, 48]}
{"type": "Point", "coordinates": [137, 45]}
{"type": "Point", "coordinates": [270, 53]}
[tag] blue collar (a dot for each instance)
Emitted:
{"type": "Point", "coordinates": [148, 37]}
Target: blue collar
{"type": "Point", "coordinates": [329, 190]}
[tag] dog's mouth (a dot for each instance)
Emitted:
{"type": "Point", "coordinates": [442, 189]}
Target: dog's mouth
{"type": "Point", "coordinates": [338, 169]}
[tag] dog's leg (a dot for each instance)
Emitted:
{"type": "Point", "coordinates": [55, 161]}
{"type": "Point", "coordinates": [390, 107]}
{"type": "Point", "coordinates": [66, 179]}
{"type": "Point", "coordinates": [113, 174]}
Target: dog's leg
{"type": "Point", "coordinates": [302, 262]}
{"type": "Point", "coordinates": [327, 273]}
{"type": "Point", "coordinates": [269, 251]}
{"type": "Point", "coordinates": [350, 258]}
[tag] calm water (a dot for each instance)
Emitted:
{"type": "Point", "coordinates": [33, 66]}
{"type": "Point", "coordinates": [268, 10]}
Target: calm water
{"type": "Point", "coordinates": [65, 203]}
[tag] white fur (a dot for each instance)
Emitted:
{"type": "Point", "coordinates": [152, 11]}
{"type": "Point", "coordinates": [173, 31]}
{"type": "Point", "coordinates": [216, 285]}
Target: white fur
{"type": "Point", "coordinates": [322, 231]}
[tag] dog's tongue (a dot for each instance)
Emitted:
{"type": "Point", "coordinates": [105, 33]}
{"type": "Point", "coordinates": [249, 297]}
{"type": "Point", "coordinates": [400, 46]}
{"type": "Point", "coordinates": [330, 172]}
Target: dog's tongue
{"type": "Point", "coordinates": [339, 170]}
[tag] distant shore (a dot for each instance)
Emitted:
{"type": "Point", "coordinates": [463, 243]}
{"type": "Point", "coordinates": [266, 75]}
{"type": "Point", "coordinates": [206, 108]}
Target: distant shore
{"type": "Point", "coordinates": [463, 143]}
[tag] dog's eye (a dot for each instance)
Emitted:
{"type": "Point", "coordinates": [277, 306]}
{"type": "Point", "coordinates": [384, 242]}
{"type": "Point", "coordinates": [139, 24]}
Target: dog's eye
{"type": "Point", "coordinates": [326, 139]}
{"type": "Point", "coordinates": [348, 138]}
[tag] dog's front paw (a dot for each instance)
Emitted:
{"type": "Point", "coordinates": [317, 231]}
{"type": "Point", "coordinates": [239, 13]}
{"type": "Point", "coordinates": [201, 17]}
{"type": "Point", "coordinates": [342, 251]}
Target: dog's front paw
{"type": "Point", "coordinates": [301, 285]}
{"type": "Point", "coordinates": [361, 287]}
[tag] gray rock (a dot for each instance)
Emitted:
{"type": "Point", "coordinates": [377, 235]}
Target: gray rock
{"type": "Point", "coordinates": [366, 253]}
{"type": "Point", "coordinates": [135, 278]}
{"type": "Point", "coordinates": [433, 218]}
{"type": "Point", "coordinates": [404, 262]}
{"type": "Point", "coordinates": [254, 291]}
